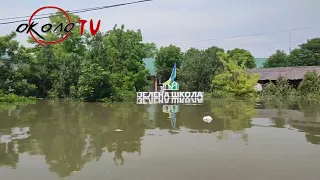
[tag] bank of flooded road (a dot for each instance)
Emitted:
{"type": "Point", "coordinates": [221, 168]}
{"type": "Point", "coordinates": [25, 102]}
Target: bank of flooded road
{"type": "Point", "coordinates": [244, 140]}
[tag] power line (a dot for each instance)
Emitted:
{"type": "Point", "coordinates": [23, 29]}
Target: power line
{"type": "Point", "coordinates": [248, 44]}
{"type": "Point", "coordinates": [141, 1]}
{"type": "Point", "coordinates": [47, 14]}
{"type": "Point", "coordinates": [248, 35]}
{"type": "Point", "coordinates": [74, 12]}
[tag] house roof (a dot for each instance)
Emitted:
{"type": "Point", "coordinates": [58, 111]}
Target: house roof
{"type": "Point", "coordinates": [149, 64]}
{"type": "Point", "coordinates": [292, 73]}
{"type": "Point", "coordinates": [260, 61]}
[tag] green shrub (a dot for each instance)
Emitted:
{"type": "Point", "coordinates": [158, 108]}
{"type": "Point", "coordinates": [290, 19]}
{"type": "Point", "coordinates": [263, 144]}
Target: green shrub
{"type": "Point", "coordinates": [281, 90]}
{"type": "Point", "coordinates": [310, 85]}
{"type": "Point", "coordinates": [234, 81]}
{"type": "Point", "coordinates": [10, 98]}
{"type": "Point", "coordinates": [308, 89]}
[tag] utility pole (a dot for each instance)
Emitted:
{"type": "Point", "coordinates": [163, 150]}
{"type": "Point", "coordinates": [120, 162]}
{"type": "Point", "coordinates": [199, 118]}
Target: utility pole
{"type": "Point", "coordinates": [289, 42]}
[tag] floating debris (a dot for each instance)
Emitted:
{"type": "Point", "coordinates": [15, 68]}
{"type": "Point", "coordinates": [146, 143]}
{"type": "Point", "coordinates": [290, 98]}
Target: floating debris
{"type": "Point", "coordinates": [174, 131]}
{"type": "Point", "coordinates": [194, 131]}
{"type": "Point", "coordinates": [207, 119]}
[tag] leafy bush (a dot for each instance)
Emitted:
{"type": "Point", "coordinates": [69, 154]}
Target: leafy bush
{"type": "Point", "coordinates": [310, 86]}
{"type": "Point", "coordinates": [9, 98]}
{"type": "Point", "coordinates": [308, 89]}
{"type": "Point", "coordinates": [234, 81]}
{"type": "Point", "coordinates": [280, 90]}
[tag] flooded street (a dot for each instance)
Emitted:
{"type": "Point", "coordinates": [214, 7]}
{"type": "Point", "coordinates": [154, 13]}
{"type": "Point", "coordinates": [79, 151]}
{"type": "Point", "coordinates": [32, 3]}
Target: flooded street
{"type": "Point", "coordinates": [81, 141]}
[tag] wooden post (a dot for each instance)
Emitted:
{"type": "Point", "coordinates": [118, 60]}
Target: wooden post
{"type": "Point", "coordinates": [155, 84]}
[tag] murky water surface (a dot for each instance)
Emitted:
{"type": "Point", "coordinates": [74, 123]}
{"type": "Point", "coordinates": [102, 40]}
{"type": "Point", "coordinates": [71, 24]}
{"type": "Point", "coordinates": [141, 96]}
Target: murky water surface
{"type": "Point", "coordinates": [91, 141]}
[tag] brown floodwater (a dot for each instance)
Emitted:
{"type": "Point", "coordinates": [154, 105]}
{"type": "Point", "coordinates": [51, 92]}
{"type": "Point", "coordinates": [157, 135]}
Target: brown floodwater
{"type": "Point", "coordinates": [95, 141]}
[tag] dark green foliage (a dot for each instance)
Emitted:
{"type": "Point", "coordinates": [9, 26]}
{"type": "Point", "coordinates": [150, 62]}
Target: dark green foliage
{"type": "Point", "coordinates": [308, 54]}
{"type": "Point", "coordinates": [278, 59]}
{"type": "Point", "coordinates": [106, 67]}
{"type": "Point", "coordinates": [310, 86]}
{"type": "Point", "coordinates": [308, 89]}
{"type": "Point", "coordinates": [242, 56]}
{"type": "Point", "coordinates": [280, 90]}
{"type": "Point", "coordinates": [166, 57]}
{"type": "Point", "coordinates": [9, 98]}
{"type": "Point", "coordinates": [109, 67]}
{"type": "Point", "coordinates": [199, 67]}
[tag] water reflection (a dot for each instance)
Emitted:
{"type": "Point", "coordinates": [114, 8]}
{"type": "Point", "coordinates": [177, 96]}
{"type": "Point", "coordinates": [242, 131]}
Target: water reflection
{"type": "Point", "coordinates": [171, 110]}
{"type": "Point", "coordinates": [70, 134]}
{"type": "Point", "coordinates": [303, 116]}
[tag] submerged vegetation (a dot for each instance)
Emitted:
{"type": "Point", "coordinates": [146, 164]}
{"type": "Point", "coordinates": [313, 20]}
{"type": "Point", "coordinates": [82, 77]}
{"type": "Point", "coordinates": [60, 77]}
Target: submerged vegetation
{"type": "Point", "coordinates": [234, 80]}
{"type": "Point", "coordinates": [281, 90]}
{"type": "Point", "coordinates": [10, 98]}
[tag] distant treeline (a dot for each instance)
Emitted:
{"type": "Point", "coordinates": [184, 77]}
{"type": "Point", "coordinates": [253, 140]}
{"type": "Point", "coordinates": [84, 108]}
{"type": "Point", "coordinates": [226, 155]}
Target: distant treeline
{"type": "Point", "coordinates": [109, 66]}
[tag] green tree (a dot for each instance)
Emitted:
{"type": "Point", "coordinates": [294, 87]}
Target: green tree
{"type": "Point", "coordinates": [278, 59]}
{"type": "Point", "coordinates": [115, 61]}
{"type": "Point", "coordinates": [94, 82]}
{"type": "Point", "coordinates": [235, 80]}
{"type": "Point", "coordinates": [126, 51]}
{"type": "Point", "coordinates": [7, 46]}
{"type": "Point", "coordinates": [56, 68]}
{"type": "Point", "coordinates": [43, 67]}
{"type": "Point", "coordinates": [75, 43]}
{"type": "Point", "coordinates": [308, 54]}
{"type": "Point", "coordinates": [242, 56]}
{"type": "Point", "coordinates": [166, 57]}
{"type": "Point", "coordinates": [151, 49]}
{"type": "Point", "coordinates": [310, 85]}
{"type": "Point", "coordinates": [106, 66]}
{"type": "Point", "coordinates": [5, 70]}
{"type": "Point", "coordinates": [281, 89]}
{"type": "Point", "coordinates": [199, 67]}
{"type": "Point", "coordinates": [12, 76]}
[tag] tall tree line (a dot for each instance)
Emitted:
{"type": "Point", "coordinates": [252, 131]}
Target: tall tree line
{"type": "Point", "coordinates": [307, 54]}
{"type": "Point", "coordinates": [109, 66]}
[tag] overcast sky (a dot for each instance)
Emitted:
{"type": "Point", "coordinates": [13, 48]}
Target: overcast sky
{"type": "Point", "coordinates": [192, 23]}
